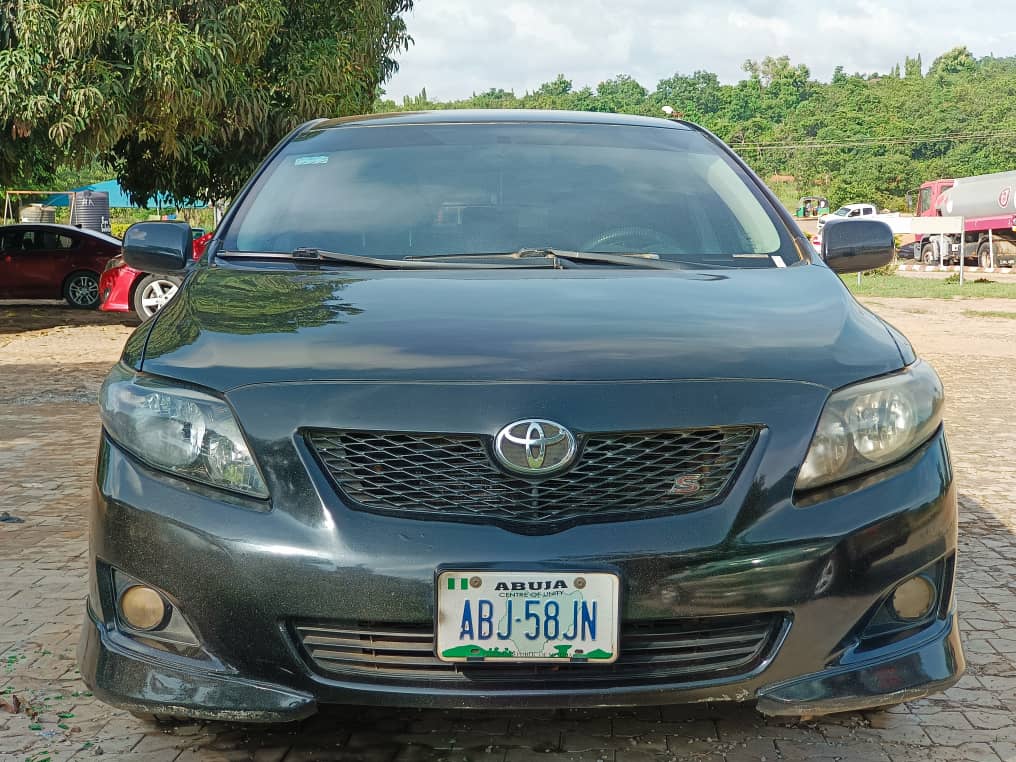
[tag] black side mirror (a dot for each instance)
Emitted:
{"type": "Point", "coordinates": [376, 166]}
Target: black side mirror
{"type": "Point", "coordinates": [158, 247]}
{"type": "Point", "coordinates": [853, 246]}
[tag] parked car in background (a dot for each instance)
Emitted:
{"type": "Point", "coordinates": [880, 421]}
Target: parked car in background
{"type": "Point", "coordinates": [524, 437]}
{"type": "Point", "coordinates": [47, 261]}
{"type": "Point", "coordinates": [908, 251]}
{"type": "Point", "coordinates": [125, 289]}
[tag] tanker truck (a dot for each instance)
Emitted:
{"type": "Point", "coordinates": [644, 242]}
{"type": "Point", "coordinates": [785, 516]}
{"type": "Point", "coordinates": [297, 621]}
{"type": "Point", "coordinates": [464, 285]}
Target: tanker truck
{"type": "Point", "coordinates": [987, 203]}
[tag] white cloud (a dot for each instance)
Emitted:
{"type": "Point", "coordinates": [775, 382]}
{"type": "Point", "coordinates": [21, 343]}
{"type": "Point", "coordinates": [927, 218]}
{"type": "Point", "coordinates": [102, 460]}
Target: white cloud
{"type": "Point", "coordinates": [467, 46]}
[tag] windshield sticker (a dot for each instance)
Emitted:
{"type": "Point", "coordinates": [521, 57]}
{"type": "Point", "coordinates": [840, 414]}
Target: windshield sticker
{"type": "Point", "coordinates": [778, 261]}
{"type": "Point", "coordinates": [303, 161]}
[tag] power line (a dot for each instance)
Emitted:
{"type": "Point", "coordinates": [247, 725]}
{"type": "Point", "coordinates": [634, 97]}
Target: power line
{"type": "Point", "coordinates": [870, 142]}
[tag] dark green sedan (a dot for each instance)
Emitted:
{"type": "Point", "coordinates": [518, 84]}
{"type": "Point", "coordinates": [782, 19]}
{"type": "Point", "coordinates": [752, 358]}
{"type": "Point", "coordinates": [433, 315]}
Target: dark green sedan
{"type": "Point", "coordinates": [518, 409]}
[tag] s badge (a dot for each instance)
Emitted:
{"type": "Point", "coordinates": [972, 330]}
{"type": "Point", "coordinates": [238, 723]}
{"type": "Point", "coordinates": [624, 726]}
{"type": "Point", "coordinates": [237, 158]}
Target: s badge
{"type": "Point", "coordinates": [689, 484]}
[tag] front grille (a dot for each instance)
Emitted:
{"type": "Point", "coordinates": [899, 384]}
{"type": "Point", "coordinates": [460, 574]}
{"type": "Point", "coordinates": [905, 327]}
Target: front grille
{"type": "Point", "coordinates": [615, 476]}
{"type": "Point", "coordinates": [678, 650]}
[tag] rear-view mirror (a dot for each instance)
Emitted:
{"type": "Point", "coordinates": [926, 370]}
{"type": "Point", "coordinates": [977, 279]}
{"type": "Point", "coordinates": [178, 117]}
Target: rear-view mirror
{"type": "Point", "coordinates": [158, 247]}
{"type": "Point", "coordinates": [852, 246]}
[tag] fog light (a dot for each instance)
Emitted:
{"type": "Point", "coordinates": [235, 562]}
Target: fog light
{"type": "Point", "coordinates": [142, 607]}
{"type": "Point", "coordinates": [914, 598]}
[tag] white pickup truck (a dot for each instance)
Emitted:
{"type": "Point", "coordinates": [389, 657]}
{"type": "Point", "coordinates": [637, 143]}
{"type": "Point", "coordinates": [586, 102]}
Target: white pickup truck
{"type": "Point", "coordinates": [895, 221]}
{"type": "Point", "coordinates": [850, 211]}
{"type": "Point", "coordinates": [899, 224]}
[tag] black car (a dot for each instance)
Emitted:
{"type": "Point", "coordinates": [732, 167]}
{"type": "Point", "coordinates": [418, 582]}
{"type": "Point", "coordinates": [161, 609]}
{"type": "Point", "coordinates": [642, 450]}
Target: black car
{"type": "Point", "coordinates": [519, 409]}
{"type": "Point", "coordinates": [908, 251]}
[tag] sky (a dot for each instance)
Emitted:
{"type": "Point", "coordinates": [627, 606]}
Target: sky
{"type": "Point", "coordinates": [467, 46]}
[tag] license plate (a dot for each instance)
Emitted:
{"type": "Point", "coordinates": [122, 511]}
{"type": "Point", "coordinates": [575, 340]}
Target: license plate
{"type": "Point", "coordinates": [540, 616]}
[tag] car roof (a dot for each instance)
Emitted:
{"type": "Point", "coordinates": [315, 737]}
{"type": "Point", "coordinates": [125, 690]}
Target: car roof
{"type": "Point", "coordinates": [57, 228]}
{"type": "Point", "coordinates": [497, 116]}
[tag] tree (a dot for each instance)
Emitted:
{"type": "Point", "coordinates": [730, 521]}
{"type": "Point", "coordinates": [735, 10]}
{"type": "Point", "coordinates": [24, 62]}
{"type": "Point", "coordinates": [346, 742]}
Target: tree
{"type": "Point", "coordinates": [557, 88]}
{"type": "Point", "coordinates": [956, 61]}
{"type": "Point", "coordinates": [185, 96]}
{"type": "Point", "coordinates": [695, 97]}
{"type": "Point", "coordinates": [912, 68]}
{"type": "Point", "coordinates": [622, 94]}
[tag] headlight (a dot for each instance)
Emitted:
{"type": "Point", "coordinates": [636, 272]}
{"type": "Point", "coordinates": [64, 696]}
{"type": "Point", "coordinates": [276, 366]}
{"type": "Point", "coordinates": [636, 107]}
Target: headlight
{"type": "Point", "coordinates": [180, 430]}
{"type": "Point", "coordinates": [872, 424]}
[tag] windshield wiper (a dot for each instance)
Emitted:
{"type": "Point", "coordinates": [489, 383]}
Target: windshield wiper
{"type": "Point", "coordinates": [632, 259]}
{"type": "Point", "coordinates": [308, 254]}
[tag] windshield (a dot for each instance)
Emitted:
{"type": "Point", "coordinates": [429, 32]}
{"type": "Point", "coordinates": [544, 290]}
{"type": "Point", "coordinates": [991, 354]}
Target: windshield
{"type": "Point", "coordinates": [843, 211]}
{"type": "Point", "coordinates": [466, 189]}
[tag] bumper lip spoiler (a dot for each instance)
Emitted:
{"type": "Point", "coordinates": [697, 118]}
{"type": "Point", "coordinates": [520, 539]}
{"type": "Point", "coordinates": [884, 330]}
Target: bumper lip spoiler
{"type": "Point", "coordinates": [932, 667]}
{"type": "Point", "coordinates": [123, 679]}
{"type": "Point", "coordinates": [223, 696]}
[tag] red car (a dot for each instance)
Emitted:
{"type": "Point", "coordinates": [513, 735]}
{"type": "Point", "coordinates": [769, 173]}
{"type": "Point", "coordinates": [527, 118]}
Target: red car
{"type": "Point", "coordinates": [125, 289]}
{"type": "Point", "coordinates": [44, 261]}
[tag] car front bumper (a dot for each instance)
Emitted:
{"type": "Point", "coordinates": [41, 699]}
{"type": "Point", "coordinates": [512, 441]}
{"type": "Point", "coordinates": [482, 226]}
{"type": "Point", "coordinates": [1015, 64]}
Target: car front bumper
{"type": "Point", "coordinates": [241, 589]}
{"type": "Point", "coordinates": [115, 287]}
{"type": "Point", "coordinates": [119, 677]}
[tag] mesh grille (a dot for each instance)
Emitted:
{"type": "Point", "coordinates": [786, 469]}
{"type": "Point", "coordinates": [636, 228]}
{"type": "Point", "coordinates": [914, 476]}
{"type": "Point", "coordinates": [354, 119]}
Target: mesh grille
{"type": "Point", "coordinates": [713, 648]}
{"type": "Point", "coordinates": [615, 477]}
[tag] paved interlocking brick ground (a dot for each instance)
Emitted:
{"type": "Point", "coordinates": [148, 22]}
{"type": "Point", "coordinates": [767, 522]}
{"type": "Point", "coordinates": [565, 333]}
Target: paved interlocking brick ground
{"type": "Point", "coordinates": [51, 364]}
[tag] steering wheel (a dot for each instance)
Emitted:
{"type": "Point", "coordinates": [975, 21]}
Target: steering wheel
{"type": "Point", "coordinates": [632, 238]}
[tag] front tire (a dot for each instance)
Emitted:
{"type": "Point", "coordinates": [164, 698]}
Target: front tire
{"type": "Point", "coordinates": [152, 293]}
{"type": "Point", "coordinates": [81, 290]}
{"type": "Point", "coordinates": [928, 255]}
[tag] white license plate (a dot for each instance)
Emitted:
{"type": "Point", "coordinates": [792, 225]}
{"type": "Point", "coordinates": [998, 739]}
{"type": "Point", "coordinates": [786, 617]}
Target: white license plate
{"type": "Point", "coordinates": [540, 616]}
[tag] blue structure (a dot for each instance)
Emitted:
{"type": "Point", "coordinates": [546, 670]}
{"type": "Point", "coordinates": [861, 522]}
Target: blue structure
{"type": "Point", "coordinates": [118, 198]}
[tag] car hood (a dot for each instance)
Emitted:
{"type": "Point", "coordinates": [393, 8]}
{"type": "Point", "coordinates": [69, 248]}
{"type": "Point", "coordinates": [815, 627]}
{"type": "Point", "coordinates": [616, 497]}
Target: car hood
{"type": "Point", "coordinates": [231, 327]}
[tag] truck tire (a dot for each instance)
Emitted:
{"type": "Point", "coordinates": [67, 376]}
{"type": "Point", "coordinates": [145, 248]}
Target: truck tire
{"type": "Point", "coordinates": [984, 254]}
{"type": "Point", "coordinates": [928, 255]}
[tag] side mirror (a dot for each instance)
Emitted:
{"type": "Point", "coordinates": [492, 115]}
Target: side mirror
{"type": "Point", "coordinates": [853, 246]}
{"type": "Point", "coordinates": [158, 247]}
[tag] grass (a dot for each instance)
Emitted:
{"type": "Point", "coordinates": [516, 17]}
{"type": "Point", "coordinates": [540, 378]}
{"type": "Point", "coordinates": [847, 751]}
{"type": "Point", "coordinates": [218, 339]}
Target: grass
{"type": "Point", "coordinates": [930, 288]}
{"type": "Point", "coordinates": [990, 314]}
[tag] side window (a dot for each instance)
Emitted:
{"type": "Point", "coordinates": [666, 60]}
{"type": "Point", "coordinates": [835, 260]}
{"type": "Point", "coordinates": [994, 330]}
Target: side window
{"type": "Point", "coordinates": [868, 211]}
{"type": "Point", "coordinates": [924, 201]}
{"type": "Point", "coordinates": [45, 241]}
{"type": "Point", "coordinates": [10, 240]}
{"type": "Point", "coordinates": [854, 212]}
{"type": "Point", "coordinates": [64, 242]}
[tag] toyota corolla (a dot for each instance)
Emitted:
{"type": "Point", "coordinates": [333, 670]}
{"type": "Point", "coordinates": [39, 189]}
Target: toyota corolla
{"type": "Point", "coordinates": [516, 409]}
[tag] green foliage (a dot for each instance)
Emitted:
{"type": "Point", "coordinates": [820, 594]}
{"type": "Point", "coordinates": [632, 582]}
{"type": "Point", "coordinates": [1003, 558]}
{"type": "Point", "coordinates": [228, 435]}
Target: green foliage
{"type": "Point", "coordinates": [859, 137]}
{"type": "Point", "coordinates": [928, 288]}
{"type": "Point", "coordinates": [990, 314]}
{"type": "Point", "coordinates": [182, 96]}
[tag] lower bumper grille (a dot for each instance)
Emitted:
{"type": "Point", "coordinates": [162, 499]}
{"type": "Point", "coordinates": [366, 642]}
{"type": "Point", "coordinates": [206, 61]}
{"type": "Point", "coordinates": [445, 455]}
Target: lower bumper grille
{"type": "Point", "coordinates": [679, 650]}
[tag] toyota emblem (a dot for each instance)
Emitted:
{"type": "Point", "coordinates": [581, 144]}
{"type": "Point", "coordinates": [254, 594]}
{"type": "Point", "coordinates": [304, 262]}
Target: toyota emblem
{"type": "Point", "coordinates": [534, 447]}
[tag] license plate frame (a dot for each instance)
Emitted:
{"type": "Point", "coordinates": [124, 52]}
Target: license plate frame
{"type": "Point", "coordinates": [583, 629]}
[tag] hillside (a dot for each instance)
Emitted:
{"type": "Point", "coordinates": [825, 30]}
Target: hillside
{"type": "Point", "coordinates": [857, 137]}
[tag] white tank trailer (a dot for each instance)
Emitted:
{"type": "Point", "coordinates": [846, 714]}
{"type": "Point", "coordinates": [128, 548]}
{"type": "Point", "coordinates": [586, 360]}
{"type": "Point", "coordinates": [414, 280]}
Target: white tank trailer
{"type": "Point", "coordinates": [980, 196]}
{"type": "Point", "coordinates": [987, 202]}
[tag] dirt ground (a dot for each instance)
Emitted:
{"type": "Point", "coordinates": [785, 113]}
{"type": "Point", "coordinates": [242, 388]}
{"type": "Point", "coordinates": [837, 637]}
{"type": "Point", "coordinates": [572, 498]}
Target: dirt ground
{"type": "Point", "coordinates": [52, 360]}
